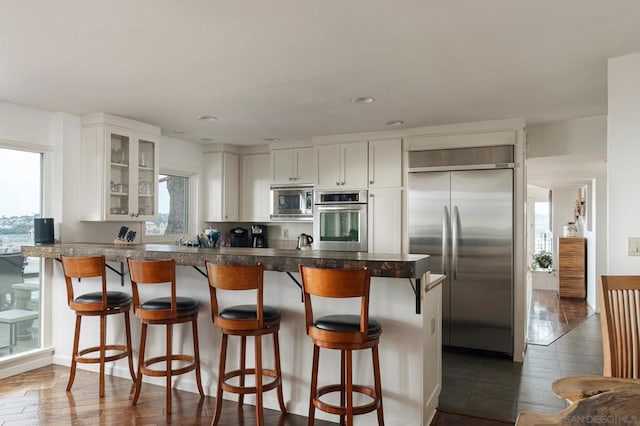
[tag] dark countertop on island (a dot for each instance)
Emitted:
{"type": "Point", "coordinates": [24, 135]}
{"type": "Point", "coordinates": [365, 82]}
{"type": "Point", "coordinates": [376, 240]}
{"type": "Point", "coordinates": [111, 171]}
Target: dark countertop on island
{"type": "Point", "coordinates": [380, 264]}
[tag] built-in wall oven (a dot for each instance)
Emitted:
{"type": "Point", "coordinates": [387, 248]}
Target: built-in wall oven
{"type": "Point", "coordinates": [340, 220]}
{"type": "Point", "coordinates": [291, 202]}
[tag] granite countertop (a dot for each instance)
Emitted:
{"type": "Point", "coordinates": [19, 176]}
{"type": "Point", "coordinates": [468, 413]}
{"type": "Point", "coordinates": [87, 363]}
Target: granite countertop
{"type": "Point", "coordinates": [380, 264]}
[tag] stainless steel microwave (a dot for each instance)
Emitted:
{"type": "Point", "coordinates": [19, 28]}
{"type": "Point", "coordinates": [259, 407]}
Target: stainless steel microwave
{"type": "Point", "coordinates": [291, 202]}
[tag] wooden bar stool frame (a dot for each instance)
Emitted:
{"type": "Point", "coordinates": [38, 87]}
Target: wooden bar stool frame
{"type": "Point", "coordinates": [153, 273]}
{"type": "Point", "coordinates": [244, 278]}
{"type": "Point", "coordinates": [94, 267]}
{"type": "Point", "coordinates": [342, 283]}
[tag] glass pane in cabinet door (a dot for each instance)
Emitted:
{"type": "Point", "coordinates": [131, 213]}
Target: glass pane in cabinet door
{"type": "Point", "coordinates": [146, 178]}
{"type": "Point", "coordinates": [339, 226]}
{"type": "Point", "coordinates": [119, 174]}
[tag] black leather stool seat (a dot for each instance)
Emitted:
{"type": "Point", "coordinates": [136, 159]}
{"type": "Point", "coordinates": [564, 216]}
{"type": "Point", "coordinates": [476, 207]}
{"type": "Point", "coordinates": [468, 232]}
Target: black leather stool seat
{"type": "Point", "coordinates": [242, 312]}
{"type": "Point", "coordinates": [346, 324]}
{"type": "Point", "coordinates": [113, 298]}
{"type": "Point", "coordinates": [164, 303]}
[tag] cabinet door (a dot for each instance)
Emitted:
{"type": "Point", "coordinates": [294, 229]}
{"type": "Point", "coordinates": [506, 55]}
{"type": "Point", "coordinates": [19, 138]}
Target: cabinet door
{"type": "Point", "coordinates": [255, 188]}
{"type": "Point", "coordinates": [282, 165]}
{"type": "Point", "coordinates": [354, 165]}
{"type": "Point", "coordinates": [304, 171]}
{"type": "Point", "coordinates": [213, 187]}
{"type": "Point", "coordinates": [231, 186]}
{"type": "Point", "coordinates": [385, 163]}
{"type": "Point", "coordinates": [147, 179]}
{"type": "Point", "coordinates": [385, 221]}
{"type": "Point", "coordinates": [328, 166]}
{"type": "Point", "coordinates": [120, 179]}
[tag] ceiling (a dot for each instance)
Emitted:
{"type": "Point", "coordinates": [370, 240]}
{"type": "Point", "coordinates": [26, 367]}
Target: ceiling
{"type": "Point", "coordinates": [288, 69]}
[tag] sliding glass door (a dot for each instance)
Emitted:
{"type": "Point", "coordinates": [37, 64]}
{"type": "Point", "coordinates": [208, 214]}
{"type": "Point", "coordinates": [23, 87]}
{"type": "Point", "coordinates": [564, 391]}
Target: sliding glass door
{"type": "Point", "coordinates": [20, 203]}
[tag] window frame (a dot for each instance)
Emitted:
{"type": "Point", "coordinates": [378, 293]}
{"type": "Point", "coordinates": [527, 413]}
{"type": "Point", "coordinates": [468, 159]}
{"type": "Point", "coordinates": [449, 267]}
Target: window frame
{"type": "Point", "coordinates": [193, 217]}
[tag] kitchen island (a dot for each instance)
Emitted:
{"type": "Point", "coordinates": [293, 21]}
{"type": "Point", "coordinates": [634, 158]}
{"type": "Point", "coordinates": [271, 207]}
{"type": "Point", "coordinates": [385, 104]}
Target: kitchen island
{"type": "Point", "coordinates": [402, 299]}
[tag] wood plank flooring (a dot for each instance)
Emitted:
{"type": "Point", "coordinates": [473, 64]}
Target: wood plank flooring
{"type": "Point", "coordinates": [39, 397]}
{"type": "Point", "coordinates": [552, 316]}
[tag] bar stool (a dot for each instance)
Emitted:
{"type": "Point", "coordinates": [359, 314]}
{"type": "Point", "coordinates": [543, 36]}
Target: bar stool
{"type": "Point", "coordinates": [244, 320]}
{"type": "Point", "coordinates": [163, 311]}
{"type": "Point", "coordinates": [344, 332]}
{"type": "Point", "coordinates": [100, 303]}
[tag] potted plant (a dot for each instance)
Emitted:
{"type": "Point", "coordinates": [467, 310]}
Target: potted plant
{"type": "Point", "coordinates": [542, 260]}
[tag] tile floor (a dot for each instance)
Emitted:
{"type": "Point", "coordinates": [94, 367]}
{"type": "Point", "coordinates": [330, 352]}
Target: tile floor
{"type": "Point", "coordinates": [498, 389]}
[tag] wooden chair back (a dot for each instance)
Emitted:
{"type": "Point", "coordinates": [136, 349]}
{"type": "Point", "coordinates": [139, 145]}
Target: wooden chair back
{"type": "Point", "coordinates": [84, 267]}
{"type": "Point", "coordinates": [152, 272]}
{"type": "Point", "coordinates": [620, 319]}
{"type": "Point", "coordinates": [236, 278]}
{"type": "Point", "coordinates": [336, 283]}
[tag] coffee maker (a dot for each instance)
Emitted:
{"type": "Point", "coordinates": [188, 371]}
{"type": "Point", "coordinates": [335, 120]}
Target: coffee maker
{"type": "Point", "coordinates": [239, 237]}
{"type": "Point", "coordinates": [259, 236]}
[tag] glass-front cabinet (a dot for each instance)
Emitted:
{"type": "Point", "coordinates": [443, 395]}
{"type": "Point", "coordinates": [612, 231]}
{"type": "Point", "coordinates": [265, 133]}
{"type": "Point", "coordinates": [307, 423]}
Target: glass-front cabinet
{"type": "Point", "coordinates": [120, 166]}
{"type": "Point", "coordinates": [132, 177]}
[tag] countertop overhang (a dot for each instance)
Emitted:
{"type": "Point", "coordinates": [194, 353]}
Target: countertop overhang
{"type": "Point", "coordinates": [380, 264]}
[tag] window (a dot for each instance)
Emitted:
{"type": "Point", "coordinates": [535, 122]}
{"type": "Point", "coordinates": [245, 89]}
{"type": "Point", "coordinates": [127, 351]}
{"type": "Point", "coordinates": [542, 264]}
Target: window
{"type": "Point", "coordinates": [173, 207]}
{"type": "Point", "coordinates": [542, 221]}
{"type": "Point", "coordinates": [20, 203]}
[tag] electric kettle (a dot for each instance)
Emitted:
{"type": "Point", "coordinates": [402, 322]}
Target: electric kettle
{"type": "Point", "coordinates": [304, 242]}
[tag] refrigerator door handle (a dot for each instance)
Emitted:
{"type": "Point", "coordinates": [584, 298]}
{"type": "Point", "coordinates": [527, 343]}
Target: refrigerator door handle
{"type": "Point", "coordinates": [454, 244]}
{"type": "Point", "coordinates": [445, 239]}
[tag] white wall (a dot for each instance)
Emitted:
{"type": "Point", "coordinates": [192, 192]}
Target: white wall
{"type": "Point", "coordinates": [623, 153]}
{"type": "Point", "coordinates": [584, 136]}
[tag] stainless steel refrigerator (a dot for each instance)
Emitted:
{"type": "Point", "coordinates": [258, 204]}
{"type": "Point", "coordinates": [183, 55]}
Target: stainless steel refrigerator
{"type": "Point", "coordinates": [464, 220]}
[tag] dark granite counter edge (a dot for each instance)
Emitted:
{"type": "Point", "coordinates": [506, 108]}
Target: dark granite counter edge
{"type": "Point", "coordinates": [381, 265]}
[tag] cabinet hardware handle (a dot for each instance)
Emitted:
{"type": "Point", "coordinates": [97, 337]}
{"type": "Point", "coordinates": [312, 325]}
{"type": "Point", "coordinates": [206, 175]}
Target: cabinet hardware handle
{"type": "Point", "coordinates": [370, 182]}
{"type": "Point", "coordinates": [370, 195]}
{"type": "Point", "coordinates": [131, 214]}
{"type": "Point", "coordinates": [137, 214]}
{"type": "Point", "coordinates": [341, 183]}
{"type": "Point", "coordinates": [337, 183]}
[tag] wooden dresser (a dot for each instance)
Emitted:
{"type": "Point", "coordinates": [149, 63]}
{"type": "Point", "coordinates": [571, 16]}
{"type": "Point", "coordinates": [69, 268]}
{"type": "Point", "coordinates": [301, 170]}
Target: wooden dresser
{"type": "Point", "coordinates": [572, 270]}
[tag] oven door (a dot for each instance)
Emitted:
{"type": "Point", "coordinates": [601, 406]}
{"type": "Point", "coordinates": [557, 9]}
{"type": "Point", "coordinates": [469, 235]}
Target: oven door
{"type": "Point", "coordinates": [340, 227]}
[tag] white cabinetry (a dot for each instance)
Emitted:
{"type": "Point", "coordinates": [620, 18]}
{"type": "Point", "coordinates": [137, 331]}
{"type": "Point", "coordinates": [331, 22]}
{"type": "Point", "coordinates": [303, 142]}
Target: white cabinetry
{"type": "Point", "coordinates": [341, 166]}
{"type": "Point", "coordinates": [385, 220]}
{"type": "Point", "coordinates": [221, 187]}
{"type": "Point", "coordinates": [385, 163]}
{"type": "Point", "coordinates": [119, 169]}
{"type": "Point", "coordinates": [255, 188]}
{"type": "Point", "coordinates": [292, 165]}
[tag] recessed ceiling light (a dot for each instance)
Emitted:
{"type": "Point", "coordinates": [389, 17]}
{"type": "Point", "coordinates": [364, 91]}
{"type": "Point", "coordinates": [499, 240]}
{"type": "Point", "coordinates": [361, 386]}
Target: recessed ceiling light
{"type": "Point", "coordinates": [394, 123]}
{"type": "Point", "coordinates": [271, 139]}
{"type": "Point", "coordinates": [206, 117]}
{"type": "Point", "coordinates": [363, 100]}
{"type": "Point", "coordinates": [207, 139]}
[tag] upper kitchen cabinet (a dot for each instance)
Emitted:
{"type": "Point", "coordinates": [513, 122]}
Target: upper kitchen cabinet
{"type": "Point", "coordinates": [292, 165]}
{"type": "Point", "coordinates": [119, 169]}
{"type": "Point", "coordinates": [341, 166]}
{"type": "Point", "coordinates": [221, 184]}
{"type": "Point", "coordinates": [255, 188]}
{"type": "Point", "coordinates": [385, 163]}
